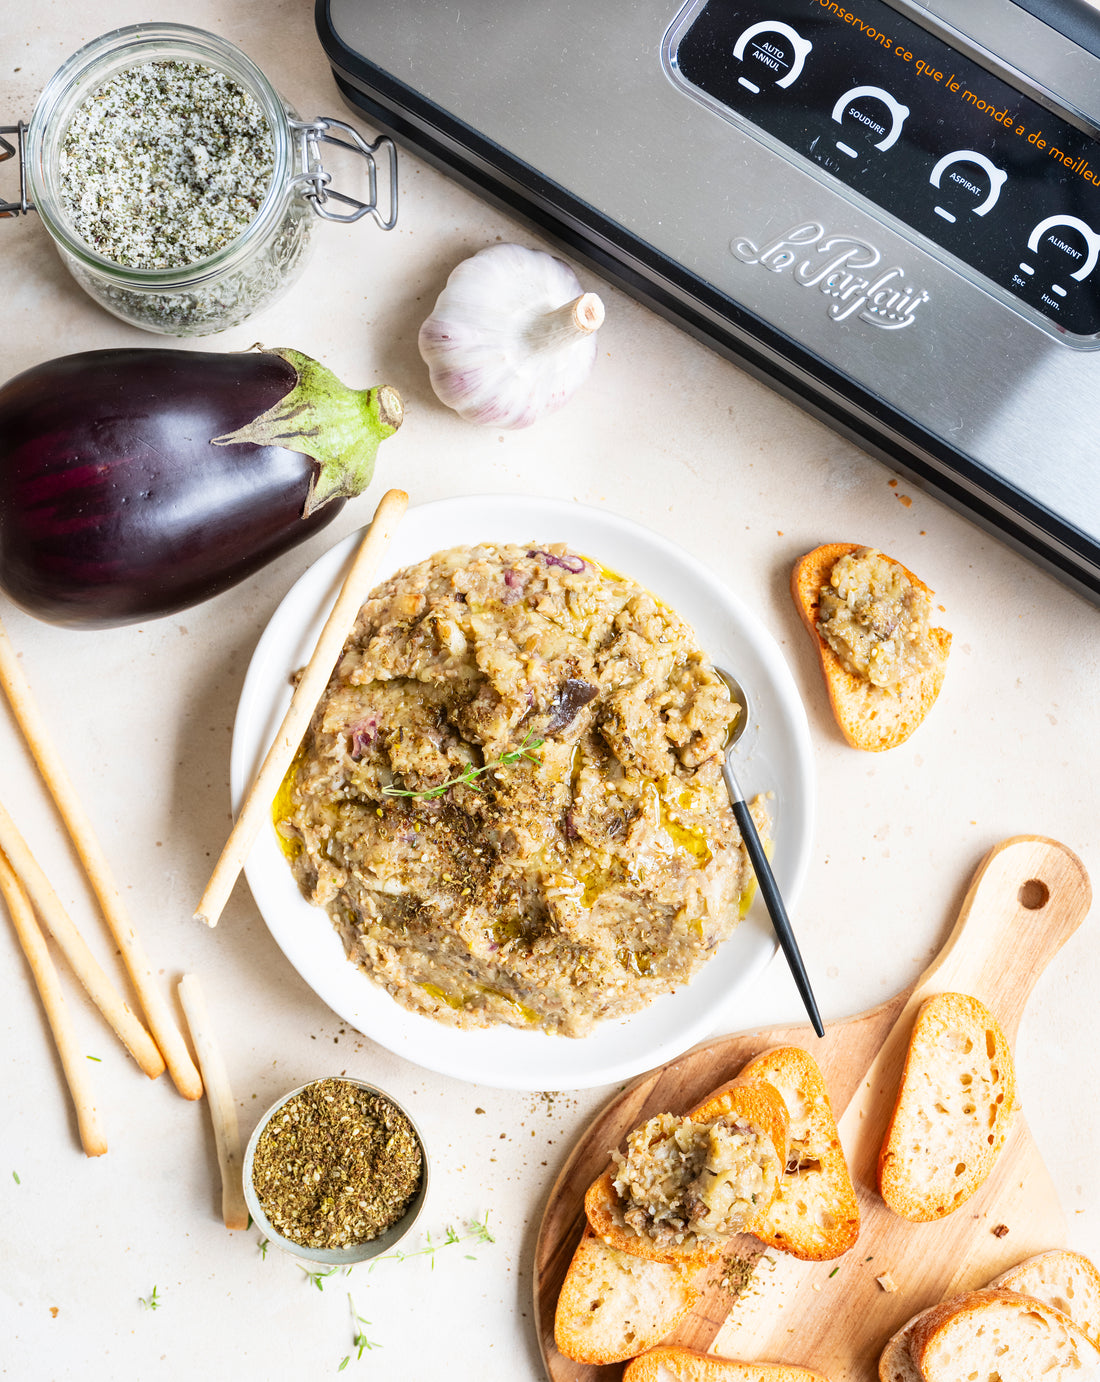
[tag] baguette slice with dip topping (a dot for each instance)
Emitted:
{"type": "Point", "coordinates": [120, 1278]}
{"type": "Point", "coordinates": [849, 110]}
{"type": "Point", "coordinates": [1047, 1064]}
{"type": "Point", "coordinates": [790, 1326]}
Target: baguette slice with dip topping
{"type": "Point", "coordinates": [883, 666]}
{"type": "Point", "coordinates": [613, 1305]}
{"type": "Point", "coordinates": [999, 1335]}
{"type": "Point", "coordinates": [685, 1365]}
{"type": "Point", "coordinates": [685, 1186]}
{"type": "Point", "coordinates": [953, 1111]}
{"type": "Point", "coordinates": [815, 1214]}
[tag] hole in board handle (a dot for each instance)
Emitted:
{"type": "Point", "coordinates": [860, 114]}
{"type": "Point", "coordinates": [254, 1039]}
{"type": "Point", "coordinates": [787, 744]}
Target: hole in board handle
{"type": "Point", "coordinates": [1033, 894]}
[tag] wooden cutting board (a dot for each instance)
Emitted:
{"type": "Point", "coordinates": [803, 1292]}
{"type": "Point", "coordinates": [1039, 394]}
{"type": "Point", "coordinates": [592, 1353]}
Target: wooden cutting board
{"type": "Point", "coordinates": [1027, 898]}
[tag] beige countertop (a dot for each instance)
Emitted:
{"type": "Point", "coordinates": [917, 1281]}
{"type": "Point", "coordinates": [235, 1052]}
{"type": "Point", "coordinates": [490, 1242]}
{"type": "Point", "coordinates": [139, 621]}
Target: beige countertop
{"type": "Point", "coordinates": [665, 433]}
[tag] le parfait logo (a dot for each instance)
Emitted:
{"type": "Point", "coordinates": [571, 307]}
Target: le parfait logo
{"type": "Point", "coordinates": [843, 268]}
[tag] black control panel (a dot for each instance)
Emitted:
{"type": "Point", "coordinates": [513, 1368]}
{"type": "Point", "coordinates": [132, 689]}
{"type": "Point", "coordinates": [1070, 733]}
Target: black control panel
{"type": "Point", "coordinates": [925, 133]}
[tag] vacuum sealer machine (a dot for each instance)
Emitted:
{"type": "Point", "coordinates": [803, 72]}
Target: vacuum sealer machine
{"type": "Point", "coordinates": [889, 211]}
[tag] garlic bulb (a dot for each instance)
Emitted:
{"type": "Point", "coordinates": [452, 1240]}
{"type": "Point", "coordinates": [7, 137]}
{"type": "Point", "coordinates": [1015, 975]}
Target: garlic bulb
{"type": "Point", "coordinates": [512, 336]}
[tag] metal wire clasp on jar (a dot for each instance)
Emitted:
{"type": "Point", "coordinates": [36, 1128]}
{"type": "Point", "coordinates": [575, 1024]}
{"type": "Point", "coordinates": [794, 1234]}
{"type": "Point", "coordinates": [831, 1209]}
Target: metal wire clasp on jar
{"type": "Point", "coordinates": [179, 187]}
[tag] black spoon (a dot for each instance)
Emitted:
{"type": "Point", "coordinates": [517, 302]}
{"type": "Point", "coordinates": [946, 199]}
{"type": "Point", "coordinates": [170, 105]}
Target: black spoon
{"type": "Point", "coordinates": [765, 879]}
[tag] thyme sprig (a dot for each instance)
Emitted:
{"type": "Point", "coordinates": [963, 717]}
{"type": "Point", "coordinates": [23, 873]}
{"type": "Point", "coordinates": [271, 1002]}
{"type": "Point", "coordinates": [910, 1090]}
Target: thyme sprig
{"type": "Point", "coordinates": [319, 1277]}
{"type": "Point", "coordinates": [359, 1339]}
{"type": "Point", "coordinates": [476, 1231]}
{"type": "Point", "coordinates": [151, 1301]}
{"type": "Point", "coordinates": [470, 773]}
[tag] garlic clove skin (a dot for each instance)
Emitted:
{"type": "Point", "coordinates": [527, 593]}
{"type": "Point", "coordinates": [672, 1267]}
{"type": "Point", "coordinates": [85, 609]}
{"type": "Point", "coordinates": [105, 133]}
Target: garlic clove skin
{"type": "Point", "coordinates": [511, 338]}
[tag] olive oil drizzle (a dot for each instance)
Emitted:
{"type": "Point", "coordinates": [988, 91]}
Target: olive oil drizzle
{"type": "Point", "coordinates": [282, 808]}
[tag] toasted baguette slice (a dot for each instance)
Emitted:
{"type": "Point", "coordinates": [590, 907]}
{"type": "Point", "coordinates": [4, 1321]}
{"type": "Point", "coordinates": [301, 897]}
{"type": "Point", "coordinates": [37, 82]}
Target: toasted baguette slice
{"type": "Point", "coordinates": [1065, 1280]}
{"type": "Point", "coordinates": [999, 1336]}
{"type": "Point", "coordinates": [758, 1105]}
{"type": "Point", "coordinates": [668, 1364]}
{"type": "Point", "coordinates": [613, 1305]}
{"type": "Point", "coordinates": [953, 1111]}
{"type": "Point", "coordinates": [896, 1363]}
{"type": "Point", "coordinates": [870, 717]}
{"type": "Point", "coordinates": [815, 1214]}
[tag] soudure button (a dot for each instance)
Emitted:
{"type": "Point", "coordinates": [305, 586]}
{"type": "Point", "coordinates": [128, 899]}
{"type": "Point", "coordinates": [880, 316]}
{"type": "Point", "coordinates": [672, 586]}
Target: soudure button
{"type": "Point", "coordinates": [853, 108]}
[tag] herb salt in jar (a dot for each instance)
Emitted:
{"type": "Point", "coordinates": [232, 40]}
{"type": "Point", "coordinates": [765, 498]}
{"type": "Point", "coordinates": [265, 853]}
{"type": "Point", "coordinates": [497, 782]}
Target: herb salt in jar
{"type": "Point", "coordinates": [178, 186]}
{"type": "Point", "coordinates": [335, 1172]}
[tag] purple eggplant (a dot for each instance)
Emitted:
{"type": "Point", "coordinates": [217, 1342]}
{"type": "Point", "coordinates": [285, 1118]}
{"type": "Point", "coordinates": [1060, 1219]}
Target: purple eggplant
{"type": "Point", "coordinates": [134, 483]}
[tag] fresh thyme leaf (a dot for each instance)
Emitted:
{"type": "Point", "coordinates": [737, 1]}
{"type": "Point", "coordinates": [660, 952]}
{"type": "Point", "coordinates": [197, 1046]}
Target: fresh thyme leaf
{"type": "Point", "coordinates": [264, 1245]}
{"type": "Point", "coordinates": [150, 1302]}
{"type": "Point", "coordinates": [359, 1339]}
{"type": "Point", "coordinates": [476, 1230]}
{"type": "Point", "coordinates": [480, 1230]}
{"type": "Point", "coordinates": [468, 774]}
{"type": "Point", "coordinates": [15, 1177]}
{"type": "Point", "coordinates": [95, 1058]}
{"type": "Point", "coordinates": [317, 1278]}
{"type": "Point", "coordinates": [343, 1363]}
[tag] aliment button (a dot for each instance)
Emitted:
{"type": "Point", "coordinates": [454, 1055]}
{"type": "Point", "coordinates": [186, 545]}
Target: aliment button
{"type": "Point", "coordinates": [1069, 240]}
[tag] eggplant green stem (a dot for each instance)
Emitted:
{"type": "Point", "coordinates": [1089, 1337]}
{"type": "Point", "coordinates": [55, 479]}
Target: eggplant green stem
{"type": "Point", "coordinates": [337, 427]}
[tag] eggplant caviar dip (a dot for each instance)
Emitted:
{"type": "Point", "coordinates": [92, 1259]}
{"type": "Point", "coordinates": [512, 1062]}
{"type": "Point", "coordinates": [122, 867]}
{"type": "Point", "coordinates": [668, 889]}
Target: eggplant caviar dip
{"type": "Point", "coordinates": [510, 800]}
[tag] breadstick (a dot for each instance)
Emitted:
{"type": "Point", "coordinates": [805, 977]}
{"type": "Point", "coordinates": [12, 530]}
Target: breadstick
{"type": "Point", "coordinates": [356, 588]}
{"type": "Point", "coordinates": [57, 1014]}
{"type": "Point", "coordinates": [223, 1112]}
{"type": "Point", "coordinates": [54, 773]}
{"type": "Point", "coordinates": [86, 967]}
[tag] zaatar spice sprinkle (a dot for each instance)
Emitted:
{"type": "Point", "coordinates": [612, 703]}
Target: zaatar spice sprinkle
{"type": "Point", "coordinates": [165, 164]}
{"type": "Point", "coordinates": [336, 1166]}
{"type": "Point", "coordinates": [737, 1273]}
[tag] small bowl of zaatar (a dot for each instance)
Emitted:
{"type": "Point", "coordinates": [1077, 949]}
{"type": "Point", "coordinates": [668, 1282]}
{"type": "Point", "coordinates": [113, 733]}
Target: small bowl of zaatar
{"type": "Point", "coordinates": [335, 1172]}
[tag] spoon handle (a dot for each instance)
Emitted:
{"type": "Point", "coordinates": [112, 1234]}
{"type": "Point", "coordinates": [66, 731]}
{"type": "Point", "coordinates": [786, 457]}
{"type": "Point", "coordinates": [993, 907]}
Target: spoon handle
{"type": "Point", "coordinates": [769, 890]}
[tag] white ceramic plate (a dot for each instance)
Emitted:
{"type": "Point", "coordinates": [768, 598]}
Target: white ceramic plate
{"type": "Point", "coordinates": [774, 755]}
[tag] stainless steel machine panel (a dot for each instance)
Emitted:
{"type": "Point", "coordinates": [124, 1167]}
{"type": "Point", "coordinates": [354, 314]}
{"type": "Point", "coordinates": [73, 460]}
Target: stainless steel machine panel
{"type": "Point", "coordinates": [891, 212]}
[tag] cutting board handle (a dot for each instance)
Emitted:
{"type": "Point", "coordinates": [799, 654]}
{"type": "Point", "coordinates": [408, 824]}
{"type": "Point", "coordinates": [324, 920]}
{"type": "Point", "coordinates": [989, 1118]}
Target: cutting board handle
{"type": "Point", "coordinates": [1027, 898]}
{"type": "Point", "coordinates": [1029, 895]}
